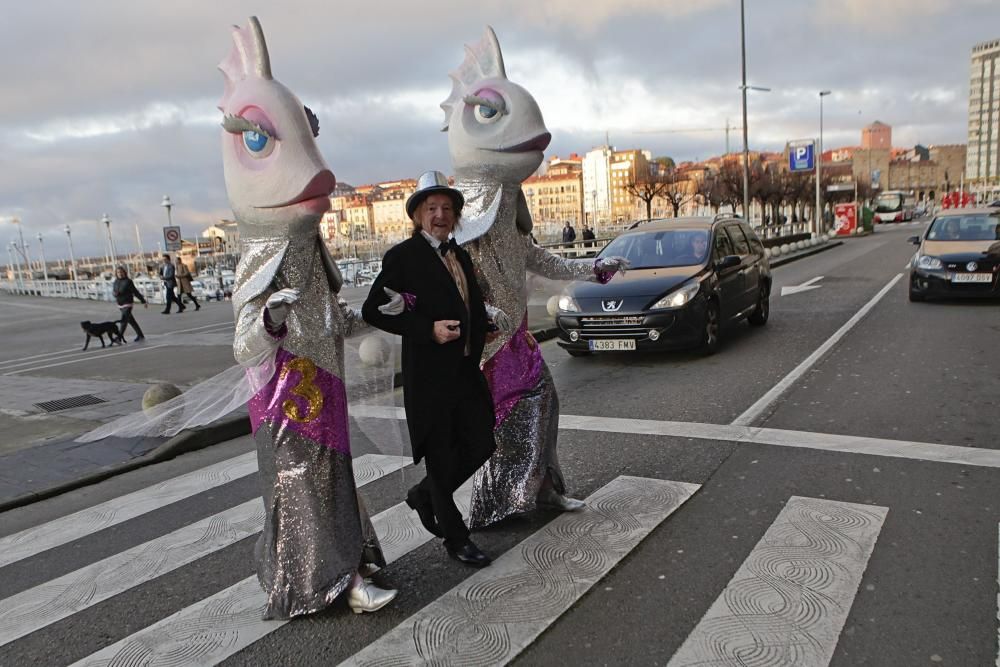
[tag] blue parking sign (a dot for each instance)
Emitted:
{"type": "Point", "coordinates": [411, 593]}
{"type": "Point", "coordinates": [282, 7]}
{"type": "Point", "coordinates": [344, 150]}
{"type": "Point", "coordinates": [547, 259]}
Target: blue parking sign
{"type": "Point", "coordinates": [801, 156]}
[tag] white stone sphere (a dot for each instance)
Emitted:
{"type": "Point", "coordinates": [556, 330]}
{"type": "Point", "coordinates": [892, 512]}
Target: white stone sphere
{"type": "Point", "coordinates": [374, 350]}
{"type": "Point", "coordinates": [775, 251]}
{"type": "Point", "coordinates": [552, 305]}
{"type": "Point", "coordinates": [157, 394]}
{"type": "Point", "coordinates": [785, 248]}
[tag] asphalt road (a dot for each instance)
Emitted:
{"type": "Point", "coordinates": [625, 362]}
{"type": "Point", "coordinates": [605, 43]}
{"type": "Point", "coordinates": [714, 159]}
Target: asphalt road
{"type": "Point", "coordinates": [851, 520]}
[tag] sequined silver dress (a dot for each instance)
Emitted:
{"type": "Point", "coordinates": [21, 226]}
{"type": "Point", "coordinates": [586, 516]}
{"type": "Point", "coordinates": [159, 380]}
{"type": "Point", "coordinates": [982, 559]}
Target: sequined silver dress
{"type": "Point", "coordinates": [495, 228]}
{"type": "Point", "coordinates": [316, 530]}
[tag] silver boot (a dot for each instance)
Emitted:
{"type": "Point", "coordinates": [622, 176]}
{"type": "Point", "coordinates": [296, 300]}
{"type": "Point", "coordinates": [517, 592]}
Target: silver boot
{"type": "Point", "coordinates": [549, 498]}
{"type": "Point", "coordinates": [368, 597]}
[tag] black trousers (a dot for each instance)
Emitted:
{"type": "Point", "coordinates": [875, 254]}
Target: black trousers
{"type": "Point", "coordinates": [172, 297]}
{"type": "Point", "coordinates": [127, 319]}
{"type": "Point", "coordinates": [458, 444]}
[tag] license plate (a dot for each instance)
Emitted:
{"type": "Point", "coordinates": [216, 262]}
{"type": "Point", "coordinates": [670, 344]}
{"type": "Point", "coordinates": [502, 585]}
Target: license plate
{"type": "Point", "coordinates": [971, 277]}
{"type": "Point", "coordinates": [612, 345]}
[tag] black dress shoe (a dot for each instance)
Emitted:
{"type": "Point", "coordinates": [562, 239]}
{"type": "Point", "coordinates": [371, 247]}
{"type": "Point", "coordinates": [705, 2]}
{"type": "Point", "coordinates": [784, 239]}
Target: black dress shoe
{"type": "Point", "coordinates": [139, 338]}
{"type": "Point", "coordinates": [422, 506]}
{"type": "Point", "coordinates": [469, 554]}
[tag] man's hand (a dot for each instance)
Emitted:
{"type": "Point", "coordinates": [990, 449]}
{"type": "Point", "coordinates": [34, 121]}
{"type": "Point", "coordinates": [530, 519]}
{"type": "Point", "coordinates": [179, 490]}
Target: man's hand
{"type": "Point", "coordinates": [396, 305]}
{"type": "Point", "coordinates": [280, 303]}
{"type": "Point", "coordinates": [446, 331]}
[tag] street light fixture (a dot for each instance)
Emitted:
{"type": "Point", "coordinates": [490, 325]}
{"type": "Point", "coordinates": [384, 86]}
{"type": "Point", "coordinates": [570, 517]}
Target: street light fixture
{"type": "Point", "coordinates": [819, 162]}
{"type": "Point", "coordinates": [166, 204]}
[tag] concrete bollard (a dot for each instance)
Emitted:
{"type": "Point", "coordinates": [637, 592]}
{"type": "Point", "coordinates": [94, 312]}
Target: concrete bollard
{"type": "Point", "coordinates": [158, 394]}
{"type": "Point", "coordinates": [552, 305]}
{"type": "Point", "coordinates": [374, 351]}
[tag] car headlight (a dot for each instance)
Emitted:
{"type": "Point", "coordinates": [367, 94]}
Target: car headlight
{"type": "Point", "coordinates": [678, 298]}
{"type": "Point", "coordinates": [568, 304]}
{"type": "Point", "coordinates": [928, 262]}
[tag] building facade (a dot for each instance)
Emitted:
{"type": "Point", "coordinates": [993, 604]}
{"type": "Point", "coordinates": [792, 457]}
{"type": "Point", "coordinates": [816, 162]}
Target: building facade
{"type": "Point", "coordinates": [982, 167]}
{"type": "Point", "coordinates": [556, 198]}
{"type": "Point", "coordinates": [876, 136]}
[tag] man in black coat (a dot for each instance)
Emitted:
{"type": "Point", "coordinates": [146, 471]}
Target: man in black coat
{"type": "Point", "coordinates": [427, 293]}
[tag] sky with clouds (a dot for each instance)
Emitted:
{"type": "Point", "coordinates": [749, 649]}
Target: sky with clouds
{"type": "Point", "coordinates": [108, 105]}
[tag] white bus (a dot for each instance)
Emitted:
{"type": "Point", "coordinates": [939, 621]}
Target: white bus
{"type": "Point", "coordinates": [894, 206]}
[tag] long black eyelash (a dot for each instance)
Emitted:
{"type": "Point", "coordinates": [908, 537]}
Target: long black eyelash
{"type": "Point", "coordinates": [474, 99]}
{"type": "Point", "coordinates": [313, 121]}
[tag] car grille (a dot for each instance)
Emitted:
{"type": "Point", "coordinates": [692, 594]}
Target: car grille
{"type": "Point", "coordinates": [613, 326]}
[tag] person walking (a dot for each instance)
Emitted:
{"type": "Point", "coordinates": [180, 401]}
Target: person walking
{"type": "Point", "coordinates": [568, 233]}
{"type": "Point", "coordinates": [184, 283]}
{"type": "Point", "coordinates": [588, 235]}
{"type": "Point", "coordinates": [427, 293]}
{"type": "Point", "coordinates": [125, 294]}
{"type": "Point", "coordinates": [169, 277]}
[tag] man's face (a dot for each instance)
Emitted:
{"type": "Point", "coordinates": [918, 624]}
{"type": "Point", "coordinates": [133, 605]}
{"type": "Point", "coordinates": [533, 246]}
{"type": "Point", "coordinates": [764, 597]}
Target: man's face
{"type": "Point", "coordinates": [436, 216]}
{"type": "Point", "coordinates": [699, 244]}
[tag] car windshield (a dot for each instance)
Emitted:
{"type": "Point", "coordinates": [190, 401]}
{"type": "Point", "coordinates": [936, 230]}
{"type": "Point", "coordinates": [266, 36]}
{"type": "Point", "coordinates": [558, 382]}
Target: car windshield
{"type": "Point", "coordinates": [887, 203]}
{"type": "Point", "coordinates": [976, 227]}
{"type": "Point", "coordinates": [660, 249]}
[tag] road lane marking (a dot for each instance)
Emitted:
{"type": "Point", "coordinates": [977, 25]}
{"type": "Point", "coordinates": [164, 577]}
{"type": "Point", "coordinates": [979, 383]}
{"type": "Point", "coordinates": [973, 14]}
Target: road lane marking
{"type": "Point", "coordinates": [804, 287]}
{"type": "Point", "coordinates": [209, 631]}
{"type": "Point", "coordinates": [764, 402]}
{"type": "Point", "coordinates": [144, 348]}
{"type": "Point", "coordinates": [790, 598]}
{"type": "Point", "coordinates": [63, 530]}
{"type": "Point", "coordinates": [755, 435]}
{"type": "Point", "coordinates": [496, 613]}
{"type": "Point", "coordinates": [42, 605]}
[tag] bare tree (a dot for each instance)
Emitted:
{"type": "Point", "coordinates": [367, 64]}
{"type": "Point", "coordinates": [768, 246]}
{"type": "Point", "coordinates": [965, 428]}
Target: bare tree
{"type": "Point", "coordinates": [678, 191]}
{"type": "Point", "coordinates": [646, 189]}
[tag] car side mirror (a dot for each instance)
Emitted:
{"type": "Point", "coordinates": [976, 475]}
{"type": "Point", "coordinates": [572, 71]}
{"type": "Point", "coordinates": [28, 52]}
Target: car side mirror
{"type": "Point", "coordinates": [727, 262]}
{"type": "Point", "coordinates": [915, 240]}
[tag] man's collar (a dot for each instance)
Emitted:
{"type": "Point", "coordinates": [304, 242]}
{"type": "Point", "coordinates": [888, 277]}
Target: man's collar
{"type": "Point", "coordinates": [433, 241]}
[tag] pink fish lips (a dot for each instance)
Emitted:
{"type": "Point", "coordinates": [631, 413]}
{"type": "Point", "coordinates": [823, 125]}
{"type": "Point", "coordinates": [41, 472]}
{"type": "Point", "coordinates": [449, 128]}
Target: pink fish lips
{"type": "Point", "coordinates": [316, 195]}
{"type": "Point", "coordinates": [539, 143]}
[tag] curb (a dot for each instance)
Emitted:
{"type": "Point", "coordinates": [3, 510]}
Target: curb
{"type": "Point", "coordinates": [186, 441]}
{"type": "Point", "coordinates": [804, 253]}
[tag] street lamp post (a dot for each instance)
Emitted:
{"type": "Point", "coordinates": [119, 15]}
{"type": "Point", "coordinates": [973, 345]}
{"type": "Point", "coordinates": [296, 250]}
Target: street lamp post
{"type": "Point", "coordinates": [111, 242]}
{"type": "Point", "coordinates": [41, 249]}
{"type": "Point", "coordinates": [744, 87]}
{"type": "Point", "coordinates": [166, 204]}
{"type": "Point", "coordinates": [72, 259]}
{"type": "Point", "coordinates": [818, 223]}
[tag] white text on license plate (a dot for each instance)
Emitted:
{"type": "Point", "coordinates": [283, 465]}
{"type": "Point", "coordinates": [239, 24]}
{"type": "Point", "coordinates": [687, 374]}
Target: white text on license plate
{"type": "Point", "coordinates": [971, 277]}
{"type": "Point", "coordinates": [612, 344]}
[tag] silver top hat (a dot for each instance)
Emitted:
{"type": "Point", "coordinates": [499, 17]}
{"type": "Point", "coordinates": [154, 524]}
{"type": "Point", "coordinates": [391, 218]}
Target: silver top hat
{"type": "Point", "coordinates": [431, 182]}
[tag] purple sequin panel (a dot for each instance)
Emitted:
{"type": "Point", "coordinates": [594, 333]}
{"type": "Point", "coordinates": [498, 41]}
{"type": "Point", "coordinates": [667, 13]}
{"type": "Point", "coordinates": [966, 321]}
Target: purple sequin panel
{"type": "Point", "coordinates": [603, 277]}
{"type": "Point", "coordinates": [410, 300]}
{"type": "Point", "coordinates": [513, 371]}
{"type": "Point", "coordinates": [305, 399]}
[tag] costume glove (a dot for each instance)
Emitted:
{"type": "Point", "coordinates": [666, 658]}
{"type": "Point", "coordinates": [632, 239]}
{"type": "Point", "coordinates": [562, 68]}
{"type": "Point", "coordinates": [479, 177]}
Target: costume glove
{"type": "Point", "coordinates": [396, 305]}
{"type": "Point", "coordinates": [499, 318]}
{"type": "Point", "coordinates": [279, 303]}
{"type": "Point", "coordinates": [612, 264]}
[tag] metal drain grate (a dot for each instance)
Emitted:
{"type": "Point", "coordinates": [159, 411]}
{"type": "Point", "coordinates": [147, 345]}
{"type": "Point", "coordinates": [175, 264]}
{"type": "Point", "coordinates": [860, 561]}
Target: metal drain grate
{"type": "Point", "coordinates": [71, 402]}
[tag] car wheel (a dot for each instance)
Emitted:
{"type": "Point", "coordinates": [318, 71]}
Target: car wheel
{"type": "Point", "coordinates": [916, 296]}
{"type": "Point", "coordinates": [711, 329]}
{"type": "Point", "coordinates": [579, 353]}
{"type": "Point", "coordinates": [762, 311]}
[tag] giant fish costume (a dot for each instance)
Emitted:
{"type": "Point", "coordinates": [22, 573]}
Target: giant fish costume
{"type": "Point", "coordinates": [496, 137]}
{"type": "Point", "coordinates": [316, 531]}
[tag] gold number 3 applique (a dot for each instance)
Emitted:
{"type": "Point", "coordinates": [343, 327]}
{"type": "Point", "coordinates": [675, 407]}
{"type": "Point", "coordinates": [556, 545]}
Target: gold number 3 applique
{"type": "Point", "coordinates": [305, 388]}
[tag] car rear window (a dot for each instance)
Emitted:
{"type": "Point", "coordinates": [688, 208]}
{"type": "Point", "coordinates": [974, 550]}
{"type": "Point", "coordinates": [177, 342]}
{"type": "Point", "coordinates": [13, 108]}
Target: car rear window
{"type": "Point", "coordinates": [739, 240]}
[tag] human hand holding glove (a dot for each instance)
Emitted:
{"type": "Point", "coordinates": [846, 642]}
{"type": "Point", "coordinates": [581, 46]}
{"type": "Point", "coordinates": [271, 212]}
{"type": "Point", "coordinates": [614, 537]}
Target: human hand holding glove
{"type": "Point", "coordinates": [279, 304]}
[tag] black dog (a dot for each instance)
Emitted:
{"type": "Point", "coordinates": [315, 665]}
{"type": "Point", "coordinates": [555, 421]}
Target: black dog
{"type": "Point", "coordinates": [99, 329]}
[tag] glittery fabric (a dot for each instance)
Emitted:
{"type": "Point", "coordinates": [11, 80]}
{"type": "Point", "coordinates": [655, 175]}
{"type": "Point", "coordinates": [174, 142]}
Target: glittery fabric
{"type": "Point", "coordinates": [316, 532]}
{"type": "Point", "coordinates": [526, 438]}
{"type": "Point", "coordinates": [513, 371]}
{"type": "Point", "coordinates": [509, 482]}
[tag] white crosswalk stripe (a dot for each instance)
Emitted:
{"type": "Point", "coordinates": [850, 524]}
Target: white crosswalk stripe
{"type": "Point", "coordinates": [37, 607]}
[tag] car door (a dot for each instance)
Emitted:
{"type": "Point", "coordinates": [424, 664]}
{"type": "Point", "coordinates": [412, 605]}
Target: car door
{"type": "Point", "coordinates": [753, 275]}
{"type": "Point", "coordinates": [730, 287]}
{"type": "Point", "coordinates": [748, 287]}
